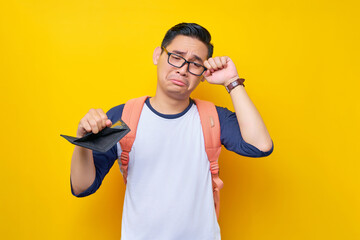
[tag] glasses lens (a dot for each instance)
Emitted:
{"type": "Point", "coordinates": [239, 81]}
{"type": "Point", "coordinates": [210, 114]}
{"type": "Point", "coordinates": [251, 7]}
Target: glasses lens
{"type": "Point", "coordinates": [196, 68]}
{"type": "Point", "coordinates": [176, 61]}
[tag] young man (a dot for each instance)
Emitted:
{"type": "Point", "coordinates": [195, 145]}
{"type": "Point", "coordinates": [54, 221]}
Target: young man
{"type": "Point", "coordinates": [169, 188]}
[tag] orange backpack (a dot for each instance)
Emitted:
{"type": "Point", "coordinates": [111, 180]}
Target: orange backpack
{"type": "Point", "coordinates": [211, 130]}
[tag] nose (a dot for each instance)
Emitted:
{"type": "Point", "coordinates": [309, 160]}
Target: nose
{"type": "Point", "coordinates": [183, 70]}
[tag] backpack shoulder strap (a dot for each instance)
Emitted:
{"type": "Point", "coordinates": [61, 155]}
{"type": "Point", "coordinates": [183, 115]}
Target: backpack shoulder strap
{"type": "Point", "coordinates": [211, 129]}
{"type": "Point", "coordinates": [131, 115]}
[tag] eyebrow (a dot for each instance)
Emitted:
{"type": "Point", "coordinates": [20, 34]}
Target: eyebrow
{"type": "Point", "coordinates": [183, 53]}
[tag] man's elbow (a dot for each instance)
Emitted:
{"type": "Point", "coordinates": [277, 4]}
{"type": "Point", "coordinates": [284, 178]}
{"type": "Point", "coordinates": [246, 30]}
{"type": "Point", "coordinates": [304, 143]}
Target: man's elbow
{"type": "Point", "coordinates": [266, 147]}
{"type": "Point", "coordinates": [76, 192]}
{"type": "Point", "coordinates": [80, 191]}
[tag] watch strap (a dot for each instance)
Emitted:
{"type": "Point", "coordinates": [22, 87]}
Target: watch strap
{"type": "Point", "coordinates": [234, 84]}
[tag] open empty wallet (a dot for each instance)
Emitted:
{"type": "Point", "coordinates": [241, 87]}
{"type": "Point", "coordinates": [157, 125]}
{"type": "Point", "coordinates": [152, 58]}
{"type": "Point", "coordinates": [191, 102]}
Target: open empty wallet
{"type": "Point", "coordinates": [103, 140]}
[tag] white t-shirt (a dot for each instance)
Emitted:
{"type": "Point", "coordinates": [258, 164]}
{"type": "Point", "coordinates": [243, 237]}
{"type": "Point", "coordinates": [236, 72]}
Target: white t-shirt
{"type": "Point", "coordinates": [169, 191]}
{"type": "Point", "coordinates": [169, 188]}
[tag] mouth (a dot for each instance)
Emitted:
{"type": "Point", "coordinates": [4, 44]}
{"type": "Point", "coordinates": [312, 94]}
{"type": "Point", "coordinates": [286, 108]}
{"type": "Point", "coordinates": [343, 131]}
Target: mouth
{"type": "Point", "coordinates": [179, 82]}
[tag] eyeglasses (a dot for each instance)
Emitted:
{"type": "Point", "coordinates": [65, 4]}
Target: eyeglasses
{"type": "Point", "coordinates": [178, 61]}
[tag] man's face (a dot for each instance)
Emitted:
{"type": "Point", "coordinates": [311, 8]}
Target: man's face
{"type": "Point", "coordinates": [175, 82]}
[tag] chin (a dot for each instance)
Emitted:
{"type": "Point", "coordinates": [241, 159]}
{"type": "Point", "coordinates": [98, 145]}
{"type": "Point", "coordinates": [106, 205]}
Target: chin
{"type": "Point", "coordinates": [178, 95]}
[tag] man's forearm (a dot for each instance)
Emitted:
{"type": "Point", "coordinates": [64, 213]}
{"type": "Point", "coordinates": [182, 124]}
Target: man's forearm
{"type": "Point", "coordinates": [252, 126]}
{"type": "Point", "coordinates": [82, 169]}
{"type": "Point", "coordinates": [222, 70]}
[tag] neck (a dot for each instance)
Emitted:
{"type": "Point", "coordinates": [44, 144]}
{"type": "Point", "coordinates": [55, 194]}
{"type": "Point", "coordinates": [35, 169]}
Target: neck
{"type": "Point", "coordinates": [167, 105]}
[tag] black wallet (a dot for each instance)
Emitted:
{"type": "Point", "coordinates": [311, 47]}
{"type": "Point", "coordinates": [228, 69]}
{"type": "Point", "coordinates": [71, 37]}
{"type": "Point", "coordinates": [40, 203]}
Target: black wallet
{"type": "Point", "coordinates": [103, 140]}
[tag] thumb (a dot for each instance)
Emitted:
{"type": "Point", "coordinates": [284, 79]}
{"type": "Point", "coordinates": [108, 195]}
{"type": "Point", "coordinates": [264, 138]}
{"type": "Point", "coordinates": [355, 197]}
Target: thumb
{"type": "Point", "coordinates": [108, 123]}
{"type": "Point", "coordinates": [207, 73]}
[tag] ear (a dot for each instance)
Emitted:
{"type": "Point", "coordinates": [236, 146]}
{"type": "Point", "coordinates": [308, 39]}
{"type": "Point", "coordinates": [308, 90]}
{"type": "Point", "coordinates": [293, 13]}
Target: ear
{"type": "Point", "coordinates": [156, 55]}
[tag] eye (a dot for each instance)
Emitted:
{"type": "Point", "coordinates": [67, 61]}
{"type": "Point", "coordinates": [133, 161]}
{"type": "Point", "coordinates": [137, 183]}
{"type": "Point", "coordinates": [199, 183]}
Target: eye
{"type": "Point", "coordinates": [198, 65]}
{"type": "Point", "coordinates": [175, 57]}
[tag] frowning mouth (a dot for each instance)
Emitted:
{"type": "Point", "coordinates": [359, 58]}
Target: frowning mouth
{"type": "Point", "coordinates": [179, 82]}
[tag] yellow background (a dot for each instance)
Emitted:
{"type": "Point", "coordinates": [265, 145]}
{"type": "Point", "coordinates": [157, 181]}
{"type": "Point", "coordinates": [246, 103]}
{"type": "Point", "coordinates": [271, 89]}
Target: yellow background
{"type": "Point", "coordinates": [300, 59]}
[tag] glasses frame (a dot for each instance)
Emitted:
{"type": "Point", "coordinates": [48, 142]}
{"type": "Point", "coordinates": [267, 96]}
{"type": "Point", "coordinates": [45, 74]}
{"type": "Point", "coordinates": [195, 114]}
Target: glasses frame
{"type": "Point", "coordinates": [185, 62]}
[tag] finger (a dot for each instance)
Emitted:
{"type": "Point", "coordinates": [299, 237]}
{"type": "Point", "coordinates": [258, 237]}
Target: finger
{"type": "Point", "coordinates": [212, 64]}
{"type": "Point", "coordinates": [209, 67]}
{"type": "Point", "coordinates": [103, 117]}
{"type": "Point", "coordinates": [206, 64]}
{"type": "Point", "coordinates": [207, 73]}
{"type": "Point", "coordinates": [96, 115]}
{"type": "Point", "coordinates": [218, 63]}
{"type": "Point", "coordinates": [108, 123]}
{"type": "Point", "coordinates": [84, 126]}
{"type": "Point", "coordinates": [223, 60]}
{"type": "Point", "coordinates": [93, 124]}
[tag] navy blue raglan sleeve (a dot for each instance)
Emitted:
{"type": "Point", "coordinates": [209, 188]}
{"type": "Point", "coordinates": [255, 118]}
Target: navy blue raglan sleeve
{"type": "Point", "coordinates": [103, 161]}
{"type": "Point", "coordinates": [231, 136]}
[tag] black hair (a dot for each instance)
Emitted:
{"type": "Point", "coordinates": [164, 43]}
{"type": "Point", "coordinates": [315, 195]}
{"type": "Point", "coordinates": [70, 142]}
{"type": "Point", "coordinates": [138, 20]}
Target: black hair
{"type": "Point", "coordinates": [191, 30]}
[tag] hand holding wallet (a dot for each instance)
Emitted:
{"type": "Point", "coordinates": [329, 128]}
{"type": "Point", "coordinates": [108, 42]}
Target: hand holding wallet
{"type": "Point", "coordinates": [103, 140]}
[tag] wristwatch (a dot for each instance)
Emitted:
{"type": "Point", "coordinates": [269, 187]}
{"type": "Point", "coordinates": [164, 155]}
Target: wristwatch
{"type": "Point", "coordinates": [234, 84]}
